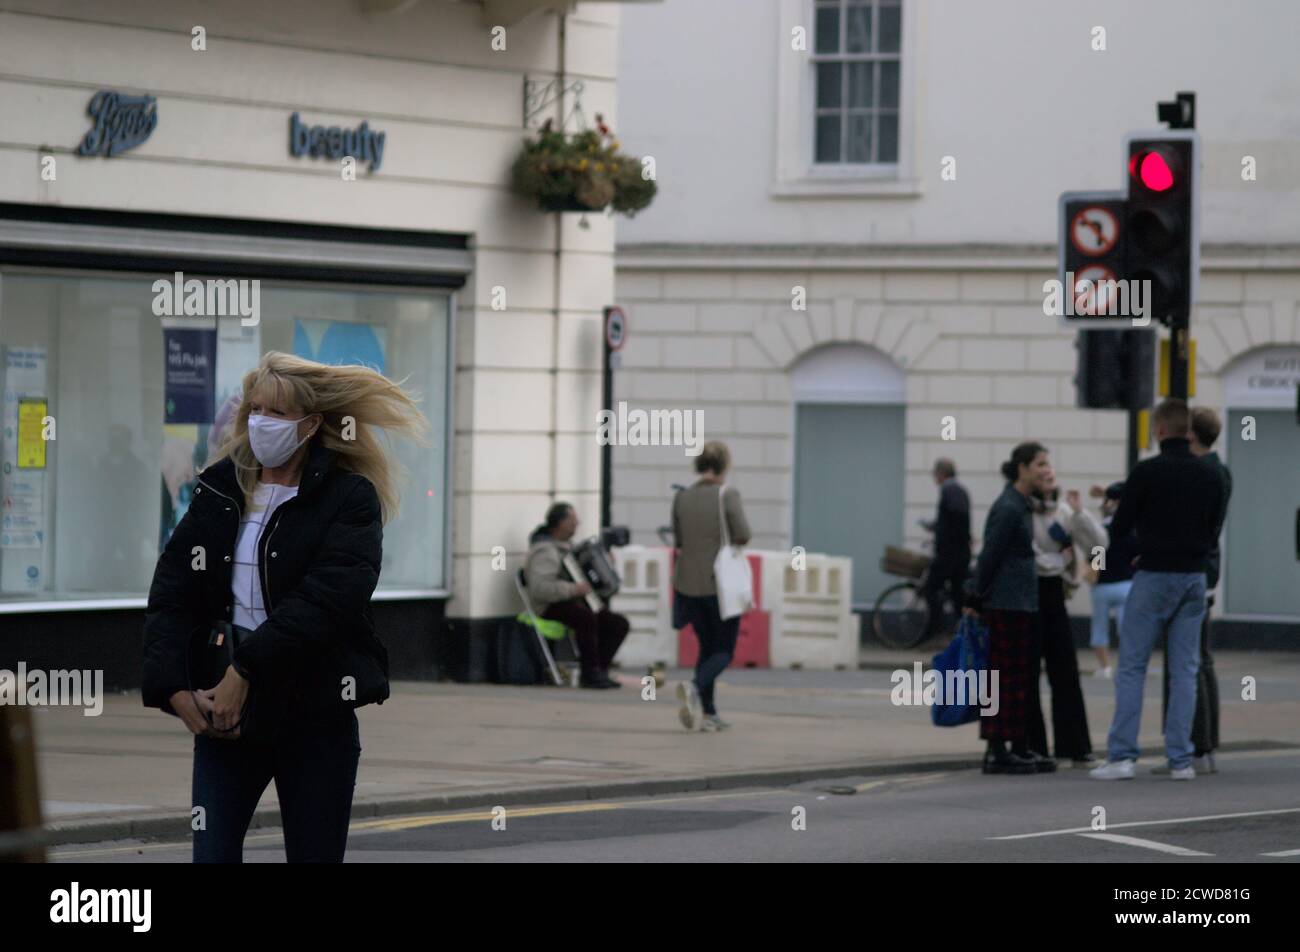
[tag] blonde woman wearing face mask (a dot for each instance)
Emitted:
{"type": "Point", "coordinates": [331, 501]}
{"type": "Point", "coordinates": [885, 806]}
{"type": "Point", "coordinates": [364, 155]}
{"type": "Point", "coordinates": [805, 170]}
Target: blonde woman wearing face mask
{"type": "Point", "coordinates": [289, 521]}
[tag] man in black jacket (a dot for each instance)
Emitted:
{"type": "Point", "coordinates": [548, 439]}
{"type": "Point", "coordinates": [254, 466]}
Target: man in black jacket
{"type": "Point", "coordinates": [1206, 427]}
{"type": "Point", "coordinates": [1175, 502]}
{"type": "Point", "coordinates": [951, 528]}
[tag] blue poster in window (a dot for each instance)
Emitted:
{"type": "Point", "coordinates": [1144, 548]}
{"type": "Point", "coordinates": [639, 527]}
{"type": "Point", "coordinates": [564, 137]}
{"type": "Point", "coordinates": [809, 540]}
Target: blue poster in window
{"type": "Point", "coordinates": [339, 342]}
{"type": "Point", "coordinates": [190, 382]}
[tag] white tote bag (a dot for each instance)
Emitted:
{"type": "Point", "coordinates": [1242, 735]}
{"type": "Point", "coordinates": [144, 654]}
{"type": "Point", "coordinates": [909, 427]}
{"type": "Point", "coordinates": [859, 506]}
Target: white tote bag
{"type": "Point", "coordinates": [731, 572]}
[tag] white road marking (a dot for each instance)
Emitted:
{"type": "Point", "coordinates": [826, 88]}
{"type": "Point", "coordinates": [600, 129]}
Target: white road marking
{"type": "Point", "coordinates": [1283, 853]}
{"type": "Point", "coordinates": [1116, 826]}
{"type": "Point", "coordinates": [1144, 844]}
{"type": "Point", "coordinates": [906, 778]}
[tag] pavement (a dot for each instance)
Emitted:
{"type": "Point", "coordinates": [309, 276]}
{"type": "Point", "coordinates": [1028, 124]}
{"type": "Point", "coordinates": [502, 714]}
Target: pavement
{"type": "Point", "coordinates": [446, 746]}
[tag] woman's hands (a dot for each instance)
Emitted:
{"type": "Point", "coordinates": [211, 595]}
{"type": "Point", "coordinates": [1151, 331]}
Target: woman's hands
{"type": "Point", "coordinates": [1074, 500]}
{"type": "Point", "coordinates": [183, 703]}
{"type": "Point", "coordinates": [225, 702]}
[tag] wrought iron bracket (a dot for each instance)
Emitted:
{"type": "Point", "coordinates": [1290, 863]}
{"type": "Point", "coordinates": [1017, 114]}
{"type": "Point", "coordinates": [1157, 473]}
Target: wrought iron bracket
{"type": "Point", "coordinates": [541, 94]}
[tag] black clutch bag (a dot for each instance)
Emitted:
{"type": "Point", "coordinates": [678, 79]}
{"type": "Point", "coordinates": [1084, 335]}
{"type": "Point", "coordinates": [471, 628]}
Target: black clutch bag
{"type": "Point", "coordinates": [345, 677]}
{"type": "Point", "coordinates": [212, 651]}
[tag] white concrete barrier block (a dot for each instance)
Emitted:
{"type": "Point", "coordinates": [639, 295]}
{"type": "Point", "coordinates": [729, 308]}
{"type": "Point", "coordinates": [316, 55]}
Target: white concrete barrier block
{"type": "Point", "coordinates": [645, 599]}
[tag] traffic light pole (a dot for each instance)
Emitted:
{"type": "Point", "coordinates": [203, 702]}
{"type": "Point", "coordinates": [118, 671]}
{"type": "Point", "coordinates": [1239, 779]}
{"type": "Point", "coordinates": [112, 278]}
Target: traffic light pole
{"type": "Point", "coordinates": [1180, 114]}
{"type": "Point", "coordinates": [1179, 366]}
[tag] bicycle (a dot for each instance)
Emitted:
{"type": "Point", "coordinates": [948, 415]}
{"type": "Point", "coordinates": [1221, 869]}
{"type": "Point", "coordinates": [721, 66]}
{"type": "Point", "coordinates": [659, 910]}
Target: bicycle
{"type": "Point", "coordinates": [900, 617]}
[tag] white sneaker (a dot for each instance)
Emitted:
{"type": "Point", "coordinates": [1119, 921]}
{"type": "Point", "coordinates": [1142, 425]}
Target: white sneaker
{"type": "Point", "coordinates": [691, 712]}
{"type": "Point", "coordinates": [1113, 770]}
{"type": "Point", "coordinates": [1183, 773]}
{"type": "Point", "coordinates": [1104, 673]}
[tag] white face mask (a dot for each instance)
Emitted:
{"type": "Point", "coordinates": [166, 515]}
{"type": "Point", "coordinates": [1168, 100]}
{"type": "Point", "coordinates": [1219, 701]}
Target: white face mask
{"type": "Point", "coordinates": [274, 440]}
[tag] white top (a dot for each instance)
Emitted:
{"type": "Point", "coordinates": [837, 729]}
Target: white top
{"type": "Point", "coordinates": [245, 580]}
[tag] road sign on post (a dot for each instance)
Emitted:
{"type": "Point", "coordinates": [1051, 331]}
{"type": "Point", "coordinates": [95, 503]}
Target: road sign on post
{"type": "Point", "coordinates": [1090, 259]}
{"type": "Point", "coordinates": [615, 338]}
{"type": "Point", "coordinates": [615, 328]}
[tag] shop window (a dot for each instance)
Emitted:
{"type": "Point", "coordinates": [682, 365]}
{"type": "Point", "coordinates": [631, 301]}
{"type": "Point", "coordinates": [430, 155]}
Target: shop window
{"type": "Point", "coordinates": [85, 513]}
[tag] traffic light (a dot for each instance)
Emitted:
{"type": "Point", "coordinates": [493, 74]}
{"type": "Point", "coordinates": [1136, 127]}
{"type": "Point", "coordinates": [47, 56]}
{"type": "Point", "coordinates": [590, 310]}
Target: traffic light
{"type": "Point", "coordinates": [1129, 257]}
{"type": "Point", "coordinates": [1160, 223]}
{"type": "Point", "coordinates": [1115, 369]}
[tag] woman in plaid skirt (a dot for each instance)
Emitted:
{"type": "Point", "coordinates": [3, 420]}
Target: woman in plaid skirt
{"type": "Point", "coordinates": [1004, 593]}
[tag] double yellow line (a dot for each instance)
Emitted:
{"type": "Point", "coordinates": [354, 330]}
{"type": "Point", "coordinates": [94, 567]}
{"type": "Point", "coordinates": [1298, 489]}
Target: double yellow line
{"type": "Point", "coordinates": [396, 824]}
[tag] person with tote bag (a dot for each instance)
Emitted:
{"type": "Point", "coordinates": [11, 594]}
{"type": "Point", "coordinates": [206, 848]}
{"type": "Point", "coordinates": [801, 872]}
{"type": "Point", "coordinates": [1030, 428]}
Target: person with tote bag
{"type": "Point", "coordinates": [711, 582]}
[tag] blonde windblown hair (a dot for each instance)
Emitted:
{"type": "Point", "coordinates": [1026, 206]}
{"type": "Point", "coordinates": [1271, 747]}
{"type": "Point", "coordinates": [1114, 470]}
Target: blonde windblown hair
{"type": "Point", "coordinates": [355, 403]}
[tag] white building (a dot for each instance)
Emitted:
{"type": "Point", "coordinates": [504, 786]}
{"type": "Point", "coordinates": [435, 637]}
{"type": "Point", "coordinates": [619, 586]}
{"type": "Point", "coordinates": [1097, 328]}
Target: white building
{"type": "Point", "coordinates": [401, 266]}
{"type": "Point", "coordinates": [903, 166]}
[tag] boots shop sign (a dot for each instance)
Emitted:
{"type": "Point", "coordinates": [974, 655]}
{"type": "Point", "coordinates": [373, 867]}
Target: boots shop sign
{"type": "Point", "coordinates": [362, 144]}
{"type": "Point", "coordinates": [120, 122]}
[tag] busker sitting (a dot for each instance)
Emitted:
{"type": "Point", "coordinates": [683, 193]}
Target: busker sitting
{"type": "Point", "coordinates": [555, 596]}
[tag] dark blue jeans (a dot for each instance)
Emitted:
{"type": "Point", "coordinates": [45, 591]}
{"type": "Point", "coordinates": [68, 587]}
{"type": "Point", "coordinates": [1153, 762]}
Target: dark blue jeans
{"type": "Point", "coordinates": [314, 765]}
{"type": "Point", "coordinates": [717, 642]}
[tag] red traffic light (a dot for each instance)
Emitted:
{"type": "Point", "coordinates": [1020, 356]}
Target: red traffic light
{"type": "Point", "coordinates": [1154, 169]}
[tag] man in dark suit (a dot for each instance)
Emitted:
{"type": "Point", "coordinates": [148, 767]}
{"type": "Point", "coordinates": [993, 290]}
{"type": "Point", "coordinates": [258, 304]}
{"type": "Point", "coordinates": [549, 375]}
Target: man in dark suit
{"type": "Point", "coordinates": [951, 528]}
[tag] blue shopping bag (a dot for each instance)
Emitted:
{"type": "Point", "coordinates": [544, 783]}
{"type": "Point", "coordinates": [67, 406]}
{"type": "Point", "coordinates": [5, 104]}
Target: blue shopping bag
{"type": "Point", "coordinates": [968, 651]}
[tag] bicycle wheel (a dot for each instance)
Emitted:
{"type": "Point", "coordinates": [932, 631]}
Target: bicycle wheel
{"type": "Point", "coordinates": [901, 616]}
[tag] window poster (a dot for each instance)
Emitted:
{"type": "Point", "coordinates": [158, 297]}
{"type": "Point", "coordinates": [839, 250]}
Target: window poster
{"type": "Point", "coordinates": [239, 348]}
{"type": "Point", "coordinates": [203, 386]}
{"type": "Point", "coordinates": [31, 433]}
{"type": "Point", "coordinates": [23, 512]}
{"type": "Point", "coordinates": [340, 342]}
{"type": "Point", "coordinates": [190, 375]}
{"type": "Point", "coordinates": [189, 383]}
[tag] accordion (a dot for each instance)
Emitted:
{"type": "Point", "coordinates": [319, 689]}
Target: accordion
{"type": "Point", "coordinates": [589, 561]}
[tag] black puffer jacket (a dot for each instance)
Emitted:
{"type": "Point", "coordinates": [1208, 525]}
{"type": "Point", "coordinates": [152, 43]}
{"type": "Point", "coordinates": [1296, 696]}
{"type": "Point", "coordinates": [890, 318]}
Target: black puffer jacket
{"type": "Point", "coordinates": [319, 557]}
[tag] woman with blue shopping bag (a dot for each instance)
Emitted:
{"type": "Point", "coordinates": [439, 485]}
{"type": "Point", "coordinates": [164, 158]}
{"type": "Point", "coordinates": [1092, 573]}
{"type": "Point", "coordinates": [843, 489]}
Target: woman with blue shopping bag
{"type": "Point", "coordinates": [1004, 594]}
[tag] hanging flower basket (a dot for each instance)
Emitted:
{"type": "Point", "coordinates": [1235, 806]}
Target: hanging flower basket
{"type": "Point", "coordinates": [583, 172]}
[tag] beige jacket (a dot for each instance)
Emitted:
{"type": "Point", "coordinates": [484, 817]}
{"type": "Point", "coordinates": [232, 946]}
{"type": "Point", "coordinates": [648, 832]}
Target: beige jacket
{"type": "Point", "coordinates": [698, 529]}
{"type": "Point", "coordinates": [544, 574]}
{"type": "Point", "coordinates": [1085, 532]}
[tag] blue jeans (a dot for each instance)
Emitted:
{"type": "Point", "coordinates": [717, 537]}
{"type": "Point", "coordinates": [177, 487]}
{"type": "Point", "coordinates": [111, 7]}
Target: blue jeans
{"type": "Point", "coordinates": [314, 765]}
{"type": "Point", "coordinates": [717, 640]}
{"type": "Point", "coordinates": [1105, 597]}
{"type": "Point", "coordinates": [1159, 602]}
